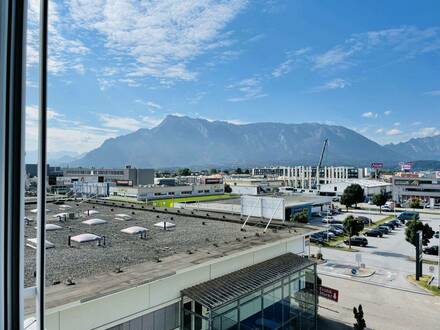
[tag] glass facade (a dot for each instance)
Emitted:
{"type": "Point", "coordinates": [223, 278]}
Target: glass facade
{"type": "Point", "coordinates": [289, 303]}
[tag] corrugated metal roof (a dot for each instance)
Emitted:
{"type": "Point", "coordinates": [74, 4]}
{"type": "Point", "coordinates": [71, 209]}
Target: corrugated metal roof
{"type": "Point", "coordinates": [232, 286]}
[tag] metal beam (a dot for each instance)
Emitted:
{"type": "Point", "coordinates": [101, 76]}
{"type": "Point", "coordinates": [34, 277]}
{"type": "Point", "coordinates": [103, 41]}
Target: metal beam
{"type": "Point", "coordinates": [42, 169]}
{"type": "Point", "coordinates": [13, 80]}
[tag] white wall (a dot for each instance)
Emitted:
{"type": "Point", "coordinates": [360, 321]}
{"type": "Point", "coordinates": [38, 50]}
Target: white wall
{"type": "Point", "coordinates": [266, 207]}
{"type": "Point", "coordinates": [123, 306]}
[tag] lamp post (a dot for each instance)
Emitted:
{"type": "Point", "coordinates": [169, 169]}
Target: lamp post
{"type": "Point", "coordinates": [438, 254]}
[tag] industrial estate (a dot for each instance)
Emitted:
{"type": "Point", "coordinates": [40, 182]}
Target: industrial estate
{"type": "Point", "coordinates": [255, 248]}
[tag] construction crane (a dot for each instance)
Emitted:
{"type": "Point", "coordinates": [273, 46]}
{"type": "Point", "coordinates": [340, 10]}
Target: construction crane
{"type": "Point", "coordinates": [324, 147]}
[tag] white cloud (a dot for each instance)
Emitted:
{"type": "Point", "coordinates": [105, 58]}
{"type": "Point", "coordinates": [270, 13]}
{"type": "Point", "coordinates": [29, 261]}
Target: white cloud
{"type": "Point", "coordinates": [394, 131]}
{"type": "Point", "coordinates": [119, 122]}
{"type": "Point", "coordinates": [433, 93]}
{"type": "Point", "coordinates": [249, 88]}
{"type": "Point", "coordinates": [380, 131]}
{"type": "Point", "coordinates": [396, 124]}
{"type": "Point", "coordinates": [65, 52]}
{"type": "Point", "coordinates": [337, 83]}
{"type": "Point", "coordinates": [160, 37]}
{"type": "Point", "coordinates": [387, 113]}
{"type": "Point", "coordinates": [408, 41]}
{"type": "Point", "coordinates": [292, 58]}
{"type": "Point", "coordinates": [63, 133]}
{"type": "Point", "coordinates": [370, 115]}
{"type": "Point", "coordinates": [428, 131]}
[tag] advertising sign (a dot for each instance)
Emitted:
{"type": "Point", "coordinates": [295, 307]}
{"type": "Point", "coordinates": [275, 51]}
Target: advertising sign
{"type": "Point", "coordinates": [406, 166]}
{"type": "Point", "coordinates": [329, 293]}
{"type": "Point", "coordinates": [376, 165]}
{"type": "Point", "coordinates": [437, 175]}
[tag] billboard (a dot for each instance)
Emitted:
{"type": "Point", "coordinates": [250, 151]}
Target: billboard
{"type": "Point", "coordinates": [376, 165]}
{"type": "Point", "coordinates": [437, 175]}
{"type": "Point", "coordinates": [406, 166]}
{"type": "Point", "coordinates": [263, 207]}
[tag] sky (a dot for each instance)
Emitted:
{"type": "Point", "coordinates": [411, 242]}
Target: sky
{"type": "Point", "coordinates": [117, 66]}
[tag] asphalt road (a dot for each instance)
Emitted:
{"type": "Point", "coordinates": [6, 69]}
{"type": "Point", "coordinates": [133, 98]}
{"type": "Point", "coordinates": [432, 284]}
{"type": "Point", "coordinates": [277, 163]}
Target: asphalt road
{"type": "Point", "coordinates": [389, 300]}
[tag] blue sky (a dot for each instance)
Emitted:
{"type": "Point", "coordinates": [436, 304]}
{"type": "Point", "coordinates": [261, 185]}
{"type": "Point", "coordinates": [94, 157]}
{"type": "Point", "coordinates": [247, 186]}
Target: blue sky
{"type": "Point", "coordinates": [117, 66]}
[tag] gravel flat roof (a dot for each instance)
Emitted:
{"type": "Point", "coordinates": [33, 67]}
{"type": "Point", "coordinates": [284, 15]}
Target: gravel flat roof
{"type": "Point", "coordinates": [82, 260]}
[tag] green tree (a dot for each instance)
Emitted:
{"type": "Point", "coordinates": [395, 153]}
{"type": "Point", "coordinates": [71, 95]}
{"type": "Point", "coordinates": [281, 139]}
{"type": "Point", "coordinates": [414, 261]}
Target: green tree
{"type": "Point", "coordinates": [353, 227]}
{"type": "Point", "coordinates": [184, 171]}
{"type": "Point", "coordinates": [301, 217]}
{"type": "Point", "coordinates": [359, 317]}
{"type": "Point", "coordinates": [379, 200]}
{"type": "Point", "coordinates": [238, 171]}
{"type": "Point", "coordinates": [413, 226]}
{"type": "Point", "coordinates": [247, 171]}
{"type": "Point", "coordinates": [353, 194]}
{"type": "Point", "coordinates": [228, 188]}
{"type": "Point", "coordinates": [415, 203]}
{"type": "Point", "coordinates": [213, 171]}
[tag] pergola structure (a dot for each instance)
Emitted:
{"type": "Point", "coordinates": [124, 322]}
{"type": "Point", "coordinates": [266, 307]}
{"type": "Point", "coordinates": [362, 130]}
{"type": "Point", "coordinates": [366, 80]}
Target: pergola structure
{"type": "Point", "coordinates": [279, 293]}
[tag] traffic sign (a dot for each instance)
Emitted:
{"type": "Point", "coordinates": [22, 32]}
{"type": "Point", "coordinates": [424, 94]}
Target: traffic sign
{"type": "Point", "coordinates": [329, 293]}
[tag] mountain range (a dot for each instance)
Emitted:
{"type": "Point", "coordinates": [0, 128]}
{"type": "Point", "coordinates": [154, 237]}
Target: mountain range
{"type": "Point", "coordinates": [184, 141]}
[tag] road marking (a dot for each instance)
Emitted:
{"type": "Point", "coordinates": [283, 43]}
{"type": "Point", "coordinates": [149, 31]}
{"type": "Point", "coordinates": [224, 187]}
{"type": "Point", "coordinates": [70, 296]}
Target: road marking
{"type": "Point", "coordinates": [370, 282]}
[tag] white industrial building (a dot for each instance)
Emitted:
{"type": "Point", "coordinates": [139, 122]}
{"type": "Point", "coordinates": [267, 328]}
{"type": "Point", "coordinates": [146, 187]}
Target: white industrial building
{"type": "Point", "coordinates": [370, 187]}
{"type": "Point", "coordinates": [152, 192]}
{"type": "Point", "coordinates": [246, 185]}
{"type": "Point", "coordinates": [424, 187]}
{"type": "Point", "coordinates": [304, 177]}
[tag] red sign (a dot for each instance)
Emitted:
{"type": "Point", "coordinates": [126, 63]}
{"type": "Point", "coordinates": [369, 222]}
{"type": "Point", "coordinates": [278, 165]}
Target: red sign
{"type": "Point", "coordinates": [376, 165]}
{"type": "Point", "coordinates": [329, 293]}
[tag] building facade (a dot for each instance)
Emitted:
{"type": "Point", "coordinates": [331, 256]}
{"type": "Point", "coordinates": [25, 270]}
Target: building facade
{"type": "Point", "coordinates": [305, 177]}
{"type": "Point", "coordinates": [128, 176]}
{"type": "Point", "coordinates": [410, 186]}
{"type": "Point", "coordinates": [152, 192]}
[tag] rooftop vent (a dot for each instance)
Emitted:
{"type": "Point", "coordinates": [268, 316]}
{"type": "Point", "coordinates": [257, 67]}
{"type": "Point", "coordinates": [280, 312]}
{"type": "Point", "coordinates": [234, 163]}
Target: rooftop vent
{"type": "Point", "coordinates": [32, 243]}
{"type": "Point", "coordinates": [82, 238]}
{"type": "Point", "coordinates": [91, 212]}
{"type": "Point", "coordinates": [51, 227]}
{"type": "Point", "coordinates": [94, 222]}
{"type": "Point", "coordinates": [165, 225]}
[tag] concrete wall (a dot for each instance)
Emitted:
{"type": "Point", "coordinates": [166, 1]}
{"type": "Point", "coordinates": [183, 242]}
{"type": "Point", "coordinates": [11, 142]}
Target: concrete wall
{"type": "Point", "coordinates": [113, 309]}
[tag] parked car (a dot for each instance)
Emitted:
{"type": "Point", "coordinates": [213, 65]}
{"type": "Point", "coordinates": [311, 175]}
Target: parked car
{"type": "Point", "coordinates": [374, 232]}
{"type": "Point", "coordinates": [357, 240]}
{"type": "Point", "coordinates": [336, 230]}
{"type": "Point", "coordinates": [432, 250]}
{"type": "Point", "coordinates": [389, 224]}
{"type": "Point", "coordinates": [328, 235]}
{"type": "Point", "coordinates": [384, 229]}
{"type": "Point", "coordinates": [436, 235]}
{"type": "Point", "coordinates": [396, 222]}
{"type": "Point", "coordinates": [409, 215]}
{"type": "Point", "coordinates": [317, 238]}
{"type": "Point", "coordinates": [365, 220]}
{"type": "Point", "coordinates": [387, 208]}
{"type": "Point", "coordinates": [327, 219]}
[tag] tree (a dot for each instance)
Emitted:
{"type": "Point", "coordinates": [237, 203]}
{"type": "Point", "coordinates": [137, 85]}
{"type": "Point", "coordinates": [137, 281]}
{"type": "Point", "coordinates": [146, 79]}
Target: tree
{"type": "Point", "coordinates": [353, 227]}
{"type": "Point", "coordinates": [238, 171]}
{"type": "Point", "coordinates": [228, 188]}
{"type": "Point", "coordinates": [413, 227]}
{"type": "Point", "coordinates": [301, 217]}
{"type": "Point", "coordinates": [184, 172]}
{"type": "Point", "coordinates": [213, 171]}
{"type": "Point", "coordinates": [247, 171]}
{"type": "Point", "coordinates": [359, 316]}
{"type": "Point", "coordinates": [415, 203]}
{"type": "Point", "coordinates": [379, 200]}
{"type": "Point", "coordinates": [353, 194]}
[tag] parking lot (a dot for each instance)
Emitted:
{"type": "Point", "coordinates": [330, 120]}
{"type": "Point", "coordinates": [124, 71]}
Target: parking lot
{"type": "Point", "coordinates": [391, 257]}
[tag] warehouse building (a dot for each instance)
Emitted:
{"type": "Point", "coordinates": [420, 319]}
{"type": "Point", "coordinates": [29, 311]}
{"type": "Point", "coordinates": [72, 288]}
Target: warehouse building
{"type": "Point", "coordinates": [246, 185]}
{"type": "Point", "coordinates": [370, 187]}
{"type": "Point", "coordinates": [152, 192]}
{"type": "Point", "coordinates": [232, 280]}
{"type": "Point", "coordinates": [128, 176]}
{"type": "Point", "coordinates": [304, 177]}
{"type": "Point", "coordinates": [424, 187]}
